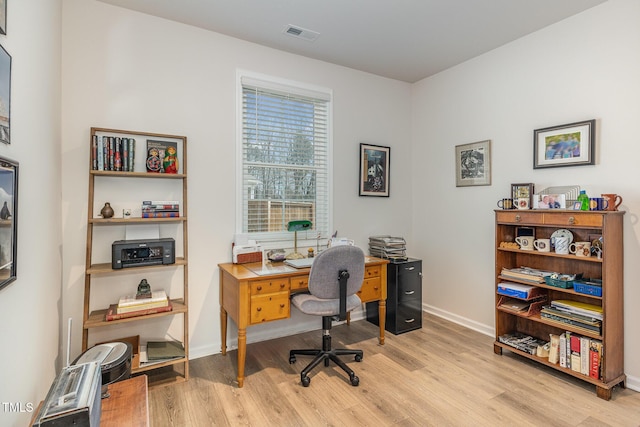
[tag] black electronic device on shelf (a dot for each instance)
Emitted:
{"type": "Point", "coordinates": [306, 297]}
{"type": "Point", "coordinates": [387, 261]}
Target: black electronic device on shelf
{"type": "Point", "coordinates": [141, 252]}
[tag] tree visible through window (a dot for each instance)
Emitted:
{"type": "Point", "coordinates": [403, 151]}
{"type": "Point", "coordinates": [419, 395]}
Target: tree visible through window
{"type": "Point", "coordinates": [284, 158]}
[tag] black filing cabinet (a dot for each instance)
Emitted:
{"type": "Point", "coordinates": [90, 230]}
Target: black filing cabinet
{"type": "Point", "coordinates": [404, 297]}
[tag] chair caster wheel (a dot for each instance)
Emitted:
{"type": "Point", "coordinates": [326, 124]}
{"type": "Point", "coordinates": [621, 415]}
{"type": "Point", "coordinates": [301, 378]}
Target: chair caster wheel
{"type": "Point", "coordinates": [292, 359]}
{"type": "Point", "coordinates": [358, 358]}
{"type": "Point", "coordinates": [305, 381]}
{"type": "Point", "coordinates": [355, 381]}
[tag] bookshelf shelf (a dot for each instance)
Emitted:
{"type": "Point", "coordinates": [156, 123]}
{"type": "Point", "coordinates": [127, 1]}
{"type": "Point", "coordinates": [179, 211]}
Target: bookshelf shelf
{"type": "Point", "coordinates": [133, 182]}
{"type": "Point", "coordinates": [584, 225]}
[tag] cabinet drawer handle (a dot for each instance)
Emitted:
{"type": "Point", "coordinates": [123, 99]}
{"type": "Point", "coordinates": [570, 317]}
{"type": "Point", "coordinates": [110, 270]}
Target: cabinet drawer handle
{"type": "Point", "coordinates": [409, 320]}
{"type": "Point", "coordinates": [281, 305]}
{"type": "Point", "coordinates": [572, 220]}
{"type": "Point", "coordinates": [259, 288]}
{"type": "Point", "coordinates": [410, 292]}
{"type": "Point", "coordinates": [281, 285]}
{"type": "Point", "coordinates": [518, 218]}
{"type": "Point", "coordinates": [409, 268]}
{"type": "Point", "coordinates": [259, 309]}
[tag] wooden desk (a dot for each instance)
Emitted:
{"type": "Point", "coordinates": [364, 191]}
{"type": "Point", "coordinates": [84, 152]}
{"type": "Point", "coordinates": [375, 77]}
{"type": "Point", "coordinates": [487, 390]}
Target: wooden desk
{"type": "Point", "coordinates": [252, 295]}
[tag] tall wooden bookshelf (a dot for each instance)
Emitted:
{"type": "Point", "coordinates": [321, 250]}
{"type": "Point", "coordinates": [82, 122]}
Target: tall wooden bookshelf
{"type": "Point", "coordinates": [584, 226]}
{"type": "Point", "coordinates": [146, 183]}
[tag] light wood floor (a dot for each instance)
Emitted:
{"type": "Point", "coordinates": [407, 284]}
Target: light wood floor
{"type": "Point", "coordinates": [441, 375]}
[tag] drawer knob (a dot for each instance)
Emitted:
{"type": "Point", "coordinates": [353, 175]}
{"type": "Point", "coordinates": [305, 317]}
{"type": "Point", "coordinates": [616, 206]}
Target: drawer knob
{"type": "Point", "coordinates": [281, 305]}
{"type": "Point", "coordinates": [518, 218]}
{"type": "Point", "coordinates": [410, 268]}
{"type": "Point", "coordinates": [259, 288]}
{"type": "Point", "coordinates": [572, 220]}
{"type": "Point", "coordinates": [259, 309]}
{"type": "Point", "coordinates": [281, 285]}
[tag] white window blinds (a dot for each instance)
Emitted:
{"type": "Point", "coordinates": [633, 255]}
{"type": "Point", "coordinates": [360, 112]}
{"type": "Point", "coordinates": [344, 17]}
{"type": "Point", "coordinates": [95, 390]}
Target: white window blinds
{"type": "Point", "coordinates": [285, 143]}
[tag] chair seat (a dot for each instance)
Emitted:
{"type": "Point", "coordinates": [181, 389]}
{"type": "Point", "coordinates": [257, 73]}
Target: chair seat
{"type": "Point", "coordinates": [310, 304]}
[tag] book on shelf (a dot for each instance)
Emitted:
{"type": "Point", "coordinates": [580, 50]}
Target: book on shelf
{"type": "Point", "coordinates": [164, 350]}
{"type": "Point", "coordinates": [562, 343]}
{"type": "Point", "coordinates": [595, 358]}
{"type": "Point", "coordinates": [145, 306]}
{"type": "Point", "coordinates": [579, 308]}
{"type": "Point", "coordinates": [134, 300]}
{"type": "Point", "coordinates": [554, 351]}
{"type": "Point", "coordinates": [575, 361]}
{"type": "Point", "coordinates": [174, 214]}
{"type": "Point", "coordinates": [584, 355]}
{"type": "Point", "coordinates": [112, 312]}
{"type": "Point", "coordinates": [568, 349]}
{"type": "Point", "coordinates": [525, 273]}
{"type": "Point", "coordinates": [162, 156]}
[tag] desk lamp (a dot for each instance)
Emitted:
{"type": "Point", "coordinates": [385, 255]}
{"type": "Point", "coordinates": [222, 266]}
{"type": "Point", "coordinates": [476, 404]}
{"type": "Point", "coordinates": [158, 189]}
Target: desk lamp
{"type": "Point", "coordinates": [295, 226]}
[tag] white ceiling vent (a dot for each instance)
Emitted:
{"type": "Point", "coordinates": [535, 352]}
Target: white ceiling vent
{"type": "Point", "coordinates": [300, 33]}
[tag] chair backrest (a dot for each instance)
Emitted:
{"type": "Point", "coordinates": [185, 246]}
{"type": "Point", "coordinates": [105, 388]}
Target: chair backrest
{"type": "Point", "coordinates": [323, 277]}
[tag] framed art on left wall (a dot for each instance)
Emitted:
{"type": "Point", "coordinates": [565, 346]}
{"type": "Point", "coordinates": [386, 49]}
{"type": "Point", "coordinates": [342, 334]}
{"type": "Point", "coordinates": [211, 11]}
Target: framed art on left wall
{"type": "Point", "coordinates": [8, 219]}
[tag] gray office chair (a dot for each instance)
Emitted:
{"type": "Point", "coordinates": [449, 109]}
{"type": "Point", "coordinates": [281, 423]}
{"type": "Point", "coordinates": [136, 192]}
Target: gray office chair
{"type": "Point", "coordinates": [335, 277]}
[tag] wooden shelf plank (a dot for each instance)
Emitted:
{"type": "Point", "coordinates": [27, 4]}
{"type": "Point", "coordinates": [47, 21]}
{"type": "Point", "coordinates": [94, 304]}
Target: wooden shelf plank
{"type": "Point", "coordinates": [97, 318]}
{"type": "Point", "coordinates": [139, 174]}
{"type": "Point", "coordinates": [121, 221]}
{"type": "Point", "coordinates": [106, 267]}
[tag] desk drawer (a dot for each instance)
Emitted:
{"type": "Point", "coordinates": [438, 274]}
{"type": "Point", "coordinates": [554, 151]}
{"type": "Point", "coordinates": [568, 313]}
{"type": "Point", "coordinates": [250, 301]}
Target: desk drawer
{"type": "Point", "coordinates": [269, 307]}
{"type": "Point", "coordinates": [371, 290]}
{"type": "Point", "coordinates": [372, 271]}
{"type": "Point", "coordinates": [269, 286]}
{"type": "Point", "coordinates": [566, 219]}
{"type": "Point", "coordinates": [519, 217]}
{"type": "Point", "coordinates": [299, 282]}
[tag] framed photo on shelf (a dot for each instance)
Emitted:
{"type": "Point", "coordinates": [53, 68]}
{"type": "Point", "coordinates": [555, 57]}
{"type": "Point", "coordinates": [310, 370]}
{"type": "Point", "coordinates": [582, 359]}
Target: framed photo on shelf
{"type": "Point", "coordinates": [8, 216]}
{"type": "Point", "coordinates": [5, 96]}
{"type": "Point", "coordinates": [473, 164]}
{"type": "Point", "coordinates": [572, 144]}
{"type": "Point", "coordinates": [374, 170]}
{"type": "Point", "coordinates": [522, 191]}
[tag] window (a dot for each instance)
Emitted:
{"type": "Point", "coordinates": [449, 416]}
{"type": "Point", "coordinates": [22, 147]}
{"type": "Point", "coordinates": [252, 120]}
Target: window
{"type": "Point", "coordinates": [285, 158]}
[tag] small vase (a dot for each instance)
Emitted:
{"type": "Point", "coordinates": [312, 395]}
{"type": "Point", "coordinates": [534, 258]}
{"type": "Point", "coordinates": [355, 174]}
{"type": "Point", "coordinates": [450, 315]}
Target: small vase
{"type": "Point", "coordinates": [106, 211]}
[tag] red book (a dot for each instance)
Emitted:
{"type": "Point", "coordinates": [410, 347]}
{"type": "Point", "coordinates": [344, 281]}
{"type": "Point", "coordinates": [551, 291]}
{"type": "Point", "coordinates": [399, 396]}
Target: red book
{"type": "Point", "coordinates": [112, 312]}
{"type": "Point", "coordinates": [595, 352]}
{"type": "Point", "coordinates": [575, 343]}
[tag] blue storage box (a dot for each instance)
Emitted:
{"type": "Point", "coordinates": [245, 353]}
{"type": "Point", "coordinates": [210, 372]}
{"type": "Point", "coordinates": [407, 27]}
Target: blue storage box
{"type": "Point", "coordinates": [588, 287]}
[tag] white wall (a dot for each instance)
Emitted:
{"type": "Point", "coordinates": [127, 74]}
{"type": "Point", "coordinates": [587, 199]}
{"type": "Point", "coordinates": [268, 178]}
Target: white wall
{"type": "Point", "coordinates": [126, 70]}
{"type": "Point", "coordinates": [30, 307]}
{"type": "Point", "coordinates": [585, 67]}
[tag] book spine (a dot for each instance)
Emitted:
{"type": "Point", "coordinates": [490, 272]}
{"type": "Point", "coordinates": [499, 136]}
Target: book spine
{"type": "Point", "coordinates": [595, 348]}
{"type": "Point", "coordinates": [160, 214]}
{"type": "Point", "coordinates": [112, 147]}
{"type": "Point", "coordinates": [160, 202]}
{"type": "Point", "coordinates": [563, 350]}
{"type": "Point", "coordinates": [584, 355]}
{"type": "Point", "coordinates": [554, 349]}
{"type": "Point", "coordinates": [161, 207]}
{"type": "Point", "coordinates": [125, 154]}
{"type": "Point", "coordinates": [117, 154]}
{"type": "Point", "coordinates": [105, 152]}
{"type": "Point", "coordinates": [568, 349]}
{"type": "Point", "coordinates": [94, 152]}
{"type": "Point", "coordinates": [132, 151]}
{"type": "Point", "coordinates": [100, 154]}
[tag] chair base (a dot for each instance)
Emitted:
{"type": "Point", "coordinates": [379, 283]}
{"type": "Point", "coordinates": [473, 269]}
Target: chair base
{"type": "Point", "coordinates": [325, 355]}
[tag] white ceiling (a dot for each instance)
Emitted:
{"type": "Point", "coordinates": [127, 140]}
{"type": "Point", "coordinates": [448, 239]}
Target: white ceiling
{"type": "Point", "coordinates": [405, 40]}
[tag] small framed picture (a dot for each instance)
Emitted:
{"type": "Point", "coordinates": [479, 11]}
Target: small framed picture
{"type": "Point", "coordinates": [565, 145]}
{"type": "Point", "coordinates": [473, 164]}
{"type": "Point", "coordinates": [522, 191]}
{"type": "Point", "coordinates": [374, 170]}
{"type": "Point", "coordinates": [549, 201]}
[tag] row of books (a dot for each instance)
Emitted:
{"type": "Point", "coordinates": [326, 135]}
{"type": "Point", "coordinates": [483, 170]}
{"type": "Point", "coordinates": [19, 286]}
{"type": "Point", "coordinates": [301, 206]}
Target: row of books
{"type": "Point", "coordinates": [160, 209]}
{"type": "Point", "coordinates": [133, 306]}
{"type": "Point", "coordinates": [112, 153]}
{"type": "Point", "coordinates": [557, 313]}
{"type": "Point", "coordinates": [578, 353]}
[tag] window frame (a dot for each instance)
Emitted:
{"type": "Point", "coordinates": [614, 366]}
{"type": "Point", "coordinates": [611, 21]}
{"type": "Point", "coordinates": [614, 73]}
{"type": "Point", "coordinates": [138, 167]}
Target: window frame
{"type": "Point", "coordinates": [271, 239]}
